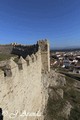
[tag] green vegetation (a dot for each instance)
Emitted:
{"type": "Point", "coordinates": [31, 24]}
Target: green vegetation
{"type": "Point", "coordinates": [53, 108]}
{"type": "Point", "coordinates": [5, 56]}
{"type": "Point", "coordinates": [71, 94]}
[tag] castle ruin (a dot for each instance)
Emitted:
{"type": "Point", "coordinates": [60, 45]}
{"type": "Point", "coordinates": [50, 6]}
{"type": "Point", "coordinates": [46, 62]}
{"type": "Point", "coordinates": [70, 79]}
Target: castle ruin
{"type": "Point", "coordinates": [21, 87]}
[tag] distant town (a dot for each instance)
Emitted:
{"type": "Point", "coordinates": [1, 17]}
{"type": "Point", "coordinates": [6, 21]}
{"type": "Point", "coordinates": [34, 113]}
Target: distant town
{"type": "Point", "coordinates": [66, 59]}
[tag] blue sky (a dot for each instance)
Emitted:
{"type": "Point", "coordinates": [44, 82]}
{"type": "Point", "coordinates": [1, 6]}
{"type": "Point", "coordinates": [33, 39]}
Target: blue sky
{"type": "Point", "coordinates": [26, 21]}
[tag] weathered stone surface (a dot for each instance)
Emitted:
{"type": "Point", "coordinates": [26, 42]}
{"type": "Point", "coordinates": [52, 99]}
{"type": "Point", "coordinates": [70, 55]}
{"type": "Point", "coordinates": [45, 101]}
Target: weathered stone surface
{"type": "Point", "coordinates": [55, 79]}
{"type": "Point", "coordinates": [60, 92]}
{"type": "Point", "coordinates": [33, 57]}
{"type": "Point", "coordinates": [45, 54]}
{"type": "Point", "coordinates": [10, 64]}
{"type": "Point", "coordinates": [53, 94]}
{"type": "Point", "coordinates": [21, 61]}
{"type": "Point", "coordinates": [23, 90]}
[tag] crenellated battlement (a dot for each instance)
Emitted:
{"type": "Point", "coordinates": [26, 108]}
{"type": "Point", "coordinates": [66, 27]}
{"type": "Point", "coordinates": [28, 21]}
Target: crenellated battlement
{"type": "Point", "coordinates": [22, 64]}
{"type": "Point", "coordinates": [21, 86]}
{"type": "Point", "coordinates": [29, 52]}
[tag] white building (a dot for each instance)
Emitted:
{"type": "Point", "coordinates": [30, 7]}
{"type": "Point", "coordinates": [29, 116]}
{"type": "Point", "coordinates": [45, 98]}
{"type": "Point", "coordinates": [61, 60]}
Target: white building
{"type": "Point", "coordinates": [66, 62]}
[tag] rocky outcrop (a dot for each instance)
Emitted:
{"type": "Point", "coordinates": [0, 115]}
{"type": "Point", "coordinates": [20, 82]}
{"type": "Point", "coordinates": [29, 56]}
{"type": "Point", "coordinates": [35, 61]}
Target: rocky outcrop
{"type": "Point", "coordinates": [62, 97]}
{"type": "Point", "coordinates": [55, 79]}
{"type": "Point", "coordinates": [56, 107]}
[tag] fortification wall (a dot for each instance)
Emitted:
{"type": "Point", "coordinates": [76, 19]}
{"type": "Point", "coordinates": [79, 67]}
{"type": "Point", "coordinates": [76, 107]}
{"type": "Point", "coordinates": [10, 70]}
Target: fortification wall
{"type": "Point", "coordinates": [24, 50]}
{"type": "Point", "coordinates": [18, 49]}
{"type": "Point", "coordinates": [21, 88]}
{"type": "Point", "coordinates": [45, 54]}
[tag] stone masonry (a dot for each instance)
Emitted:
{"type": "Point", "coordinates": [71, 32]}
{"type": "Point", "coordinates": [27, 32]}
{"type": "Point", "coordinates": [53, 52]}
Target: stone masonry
{"type": "Point", "coordinates": [21, 87]}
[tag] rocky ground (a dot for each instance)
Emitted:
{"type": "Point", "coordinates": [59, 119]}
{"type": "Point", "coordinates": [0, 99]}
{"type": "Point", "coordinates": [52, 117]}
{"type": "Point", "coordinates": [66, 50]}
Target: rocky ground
{"type": "Point", "coordinates": [62, 97]}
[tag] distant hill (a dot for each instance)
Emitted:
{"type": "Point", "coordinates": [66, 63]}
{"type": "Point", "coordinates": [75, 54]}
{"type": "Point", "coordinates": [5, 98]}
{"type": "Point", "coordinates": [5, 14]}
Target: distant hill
{"type": "Point", "coordinates": [6, 49]}
{"type": "Point", "coordinates": [66, 49]}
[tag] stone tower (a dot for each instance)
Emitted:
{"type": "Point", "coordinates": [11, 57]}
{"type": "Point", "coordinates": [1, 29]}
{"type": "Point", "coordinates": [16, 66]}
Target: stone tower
{"type": "Point", "coordinates": [45, 54]}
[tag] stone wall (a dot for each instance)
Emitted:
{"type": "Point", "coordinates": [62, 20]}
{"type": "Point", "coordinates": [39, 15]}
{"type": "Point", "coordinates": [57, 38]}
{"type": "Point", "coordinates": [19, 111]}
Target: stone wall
{"type": "Point", "coordinates": [21, 87]}
{"type": "Point", "coordinates": [45, 54]}
{"type": "Point", "coordinates": [18, 49]}
{"type": "Point", "coordinates": [24, 50]}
